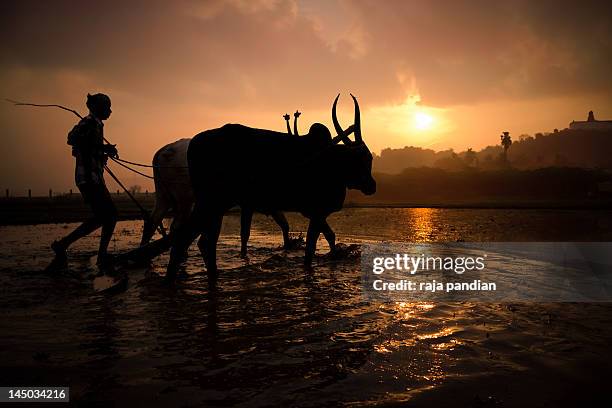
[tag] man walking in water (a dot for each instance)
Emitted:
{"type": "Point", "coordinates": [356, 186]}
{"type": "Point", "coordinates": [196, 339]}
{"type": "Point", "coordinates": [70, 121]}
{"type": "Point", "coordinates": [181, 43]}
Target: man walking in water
{"type": "Point", "coordinates": [91, 153]}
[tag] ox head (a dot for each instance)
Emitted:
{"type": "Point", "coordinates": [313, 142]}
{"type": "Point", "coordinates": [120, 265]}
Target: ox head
{"type": "Point", "coordinates": [358, 159]}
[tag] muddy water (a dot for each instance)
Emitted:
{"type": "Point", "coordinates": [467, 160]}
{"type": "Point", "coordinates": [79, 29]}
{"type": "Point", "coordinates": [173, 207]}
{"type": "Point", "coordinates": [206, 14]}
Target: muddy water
{"type": "Point", "coordinates": [274, 335]}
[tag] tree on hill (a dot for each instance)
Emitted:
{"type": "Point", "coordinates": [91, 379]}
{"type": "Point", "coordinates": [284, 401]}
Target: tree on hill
{"type": "Point", "coordinates": [506, 142]}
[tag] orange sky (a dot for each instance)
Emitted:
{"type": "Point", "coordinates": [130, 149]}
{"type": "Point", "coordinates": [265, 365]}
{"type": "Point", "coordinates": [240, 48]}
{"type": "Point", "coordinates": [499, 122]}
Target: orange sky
{"type": "Point", "coordinates": [467, 70]}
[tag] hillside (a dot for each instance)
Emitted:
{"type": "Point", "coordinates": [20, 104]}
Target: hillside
{"type": "Point", "coordinates": [566, 148]}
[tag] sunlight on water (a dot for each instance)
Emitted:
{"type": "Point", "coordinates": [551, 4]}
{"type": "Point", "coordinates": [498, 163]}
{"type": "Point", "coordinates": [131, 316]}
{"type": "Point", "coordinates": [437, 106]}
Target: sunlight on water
{"type": "Point", "coordinates": [422, 223]}
{"type": "Point", "coordinates": [445, 332]}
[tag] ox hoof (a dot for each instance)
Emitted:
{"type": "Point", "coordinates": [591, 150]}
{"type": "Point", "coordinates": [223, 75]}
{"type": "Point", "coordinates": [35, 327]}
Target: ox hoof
{"type": "Point", "coordinates": [294, 242]}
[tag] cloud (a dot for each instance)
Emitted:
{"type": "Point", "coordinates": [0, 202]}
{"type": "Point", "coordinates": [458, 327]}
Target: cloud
{"type": "Point", "coordinates": [465, 52]}
{"type": "Point", "coordinates": [235, 55]}
{"type": "Point", "coordinates": [236, 52]}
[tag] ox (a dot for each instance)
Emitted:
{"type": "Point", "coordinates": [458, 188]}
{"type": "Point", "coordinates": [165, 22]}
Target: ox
{"type": "Point", "coordinates": [267, 171]}
{"type": "Point", "coordinates": [173, 191]}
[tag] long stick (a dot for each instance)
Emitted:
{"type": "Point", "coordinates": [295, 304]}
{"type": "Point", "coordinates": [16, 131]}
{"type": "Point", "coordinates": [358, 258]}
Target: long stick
{"type": "Point", "coordinates": [16, 103]}
{"type": "Point", "coordinates": [144, 212]}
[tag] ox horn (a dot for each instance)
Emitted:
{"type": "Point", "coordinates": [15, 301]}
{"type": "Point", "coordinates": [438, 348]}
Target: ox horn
{"type": "Point", "coordinates": [357, 122]}
{"type": "Point", "coordinates": [342, 134]}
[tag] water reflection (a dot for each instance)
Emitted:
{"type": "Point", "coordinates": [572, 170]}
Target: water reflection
{"type": "Point", "coordinates": [421, 220]}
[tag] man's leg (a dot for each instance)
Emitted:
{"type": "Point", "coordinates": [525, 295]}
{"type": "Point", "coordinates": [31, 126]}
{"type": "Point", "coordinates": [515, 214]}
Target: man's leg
{"type": "Point", "coordinates": [61, 246]}
{"type": "Point", "coordinates": [107, 233]}
{"type": "Point", "coordinates": [105, 211]}
{"type": "Point", "coordinates": [79, 232]}
{"type": "Point", "coordinates": [86, 228]}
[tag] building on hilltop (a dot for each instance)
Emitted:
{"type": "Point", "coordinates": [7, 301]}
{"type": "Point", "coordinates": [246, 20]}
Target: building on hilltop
{"type": "Point", "coordinates": [591, 124]}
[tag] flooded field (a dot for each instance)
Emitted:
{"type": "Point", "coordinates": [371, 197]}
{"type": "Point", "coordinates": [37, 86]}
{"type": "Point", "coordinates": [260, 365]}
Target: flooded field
{"type": "Point", "coordinates": [274, 335]}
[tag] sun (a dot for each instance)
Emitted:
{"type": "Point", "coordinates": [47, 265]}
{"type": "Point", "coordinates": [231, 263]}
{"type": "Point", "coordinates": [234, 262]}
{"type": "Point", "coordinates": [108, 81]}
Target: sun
{"type": "Point", "coordinates": [423, 121]}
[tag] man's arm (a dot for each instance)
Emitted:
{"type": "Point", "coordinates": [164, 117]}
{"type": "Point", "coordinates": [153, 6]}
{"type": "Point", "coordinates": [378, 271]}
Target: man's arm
{"type": "Point", "coordinates": [111, 150]}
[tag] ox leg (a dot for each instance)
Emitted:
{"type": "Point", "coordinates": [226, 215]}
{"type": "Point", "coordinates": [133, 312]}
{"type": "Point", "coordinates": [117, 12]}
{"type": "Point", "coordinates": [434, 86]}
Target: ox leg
{"type": "Point", "coordinates": [182, 237]}
{"type": "Point", "coordinates": [151, 224]}
{"type": "Point", "coordinates": [202, 247]}
{"type": "Point", "coordinates": [182, 215]}
{"type": "Point", "coordinates": [329, 235]}
{"type": "Point", "coordinates": [280, 219]}
{"type": "Point", "coordinates": [246, 217]}
{"type": "Point", "coordinates": [314, 230]}
{"type": "Point", "coordinates": [211, 228]}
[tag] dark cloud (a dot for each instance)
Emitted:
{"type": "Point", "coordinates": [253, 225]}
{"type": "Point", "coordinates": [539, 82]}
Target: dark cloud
{"type": "Point", "coordinates": [167, 52]}
{"type": "Point", "coordinates": [461, 52]}
{"type": "Point", "coordinates": [235, 53]}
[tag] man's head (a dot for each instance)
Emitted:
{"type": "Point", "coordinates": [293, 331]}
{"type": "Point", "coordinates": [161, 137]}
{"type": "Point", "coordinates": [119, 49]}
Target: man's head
{"type": "Point", "coordinates": [99, 105]}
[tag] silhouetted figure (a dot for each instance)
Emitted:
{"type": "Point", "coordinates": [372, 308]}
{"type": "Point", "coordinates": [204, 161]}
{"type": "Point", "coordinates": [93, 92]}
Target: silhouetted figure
{"type": "Point", "coordinates": [591, 117]}
{"type": "Point", "coordinates": [91, 154]}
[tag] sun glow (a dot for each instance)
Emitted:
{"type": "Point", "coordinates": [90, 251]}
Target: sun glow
{"type": "Point", "coordinates": [409, 123]}
{"type": "Point", "coordinates": [423, 121]}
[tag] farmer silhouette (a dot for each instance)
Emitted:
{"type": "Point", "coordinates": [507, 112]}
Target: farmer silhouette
{"type": "Point", "coordinates": [91, 153]}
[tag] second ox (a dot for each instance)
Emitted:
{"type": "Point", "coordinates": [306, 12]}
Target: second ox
{"type": "Point", "coordinates": [173, 191]}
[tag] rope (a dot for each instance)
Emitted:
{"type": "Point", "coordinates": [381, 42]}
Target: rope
{"type": "Point", "coordinates": [134, 163]}
{"type": "Point", "coordinates": [144, 212]}
{"type": "Point", "coordinates": [151, 166]}
{"type": "Point", "coordinates": [131, 169]}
